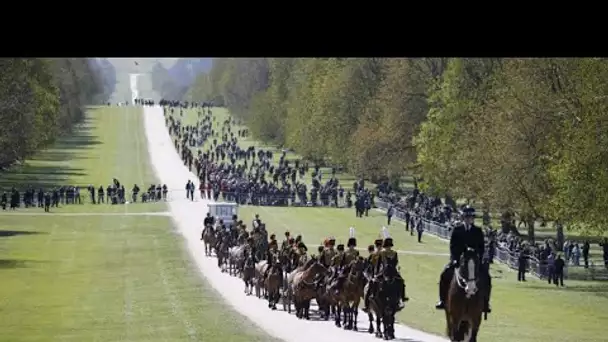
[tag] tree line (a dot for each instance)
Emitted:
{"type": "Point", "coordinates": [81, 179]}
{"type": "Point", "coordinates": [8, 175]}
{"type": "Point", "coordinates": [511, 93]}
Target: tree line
{"type": "Point", "coordinates": [528, 135]}
{"type": "Point", "coordinates": [42, 98]}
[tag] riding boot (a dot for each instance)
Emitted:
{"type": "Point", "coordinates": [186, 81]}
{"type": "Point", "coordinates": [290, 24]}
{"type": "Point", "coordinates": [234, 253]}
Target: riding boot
{"type": "Point", "coordinates": [487, 307]}
{"type": "Point", "coordinates": [366, 298]}
{"type": "Point", "coordinates": [442, 289]}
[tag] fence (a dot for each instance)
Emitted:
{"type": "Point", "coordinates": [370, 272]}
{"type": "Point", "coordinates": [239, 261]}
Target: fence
{"type": "Point", "coordinates": [504, 256]}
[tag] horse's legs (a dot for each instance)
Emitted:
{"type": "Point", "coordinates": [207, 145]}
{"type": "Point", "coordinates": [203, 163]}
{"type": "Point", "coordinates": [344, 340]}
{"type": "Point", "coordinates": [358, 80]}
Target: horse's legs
{"type": "Point", "coordinates": [337, 315]}
{"type": "Point", "coordinates": [355, 313]}
{"type": "Point", "coordinates": [345, 314]}
{"type": "Point", "coordinates": [378, 325]}
{"type": "Point", "coordinates": [371, 325]}
{"type": "Point", "coordinates": [307, 309]}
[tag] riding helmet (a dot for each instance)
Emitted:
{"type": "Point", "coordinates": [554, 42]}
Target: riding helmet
{"type": "Point", "coordinates": [287, 234]}
{"type": "Point", "coordinates": [273, 237]}
{"type": "Point", "coordinates": [352, 242]}
{"type": "Point", "coordinates": [332, 241]}
{"type": "Point", "coordinates": [378, 243]}
{"type": "Point", "coordinates": [388, 242]}
{"type": "Point", "coordinates": [341, 247]}
{"type": "Point", "coordinates": [370, 248]}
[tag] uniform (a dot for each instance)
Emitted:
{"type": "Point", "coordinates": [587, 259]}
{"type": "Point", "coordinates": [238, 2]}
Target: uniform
{"type": "Point", "coordinates": [464, 237]}
{"type": "Point", "coordinates": [349, 256]}
{"type": "Point", "coordinates": [328, 255]}
{"type": "Point", "coordinates": [373, 260]}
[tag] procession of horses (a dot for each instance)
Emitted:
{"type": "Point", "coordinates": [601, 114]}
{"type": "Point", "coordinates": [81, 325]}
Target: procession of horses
{"type": "Point", "coordinates": [338, 279]}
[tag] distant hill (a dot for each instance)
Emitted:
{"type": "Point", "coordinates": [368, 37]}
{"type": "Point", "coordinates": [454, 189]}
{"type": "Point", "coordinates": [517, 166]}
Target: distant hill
{"type": "Point", "coordinates": [172, 83]}
{"type": "Point", "coordinates": [185, 70]}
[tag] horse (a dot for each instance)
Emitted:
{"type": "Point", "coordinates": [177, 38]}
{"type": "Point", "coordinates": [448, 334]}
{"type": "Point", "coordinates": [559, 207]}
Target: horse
{"type": "Point", "coordinates": [349, 296]}
{"type": "Point", "coordinates": [384, 303]}
{"type": "Point", "coordinates": [272, 284]}
{"type": "Point", "coordinates": [249, 274]}
{"type": "Point", "coordinates": [302, 285]}
{"type": "Point", "coordinates": [222, 252]}
{"type": "Point", "coordinates": [260, 270]}
{"type": "Point", "coordinates": [235, 259]}
{"type": "Point", "coordinates": [465, 303]}
{"type": "Point", "coordinates": [208, 237]}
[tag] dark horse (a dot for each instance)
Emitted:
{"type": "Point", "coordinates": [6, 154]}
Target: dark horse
{"type": "Point", "coordinates": [465, 299]}
{"type": "Point", "coordinates": [384, 303]}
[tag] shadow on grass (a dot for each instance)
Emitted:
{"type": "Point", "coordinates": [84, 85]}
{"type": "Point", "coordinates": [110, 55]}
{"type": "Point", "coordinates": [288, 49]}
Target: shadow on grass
{"type": "Point", "coordinates": [600, 290]}
{"type": "Point", "coordinates": [49, 169]}
{"type": "Point", "coordinates": [10, 263]}
{"type": "Point", "coordinates": [9, 233]}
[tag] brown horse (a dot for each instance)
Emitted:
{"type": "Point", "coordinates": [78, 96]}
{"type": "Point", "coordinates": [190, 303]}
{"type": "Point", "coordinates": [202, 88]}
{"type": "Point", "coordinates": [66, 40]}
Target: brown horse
{"type": "Point", "coordinates": [303, 286]}
{"type": "Point", "coordinates": [384, 302]}
{"type": "Point", "coordinates": [272, 284]}
{"type": "Point", "coordinates": [208, 237]}
{"type": "Point", "coordinates": [350, 294]}
{"type": "Point", "coordinates": [465, 302]}
{"type": "Point", "coordinates": [249, 274]}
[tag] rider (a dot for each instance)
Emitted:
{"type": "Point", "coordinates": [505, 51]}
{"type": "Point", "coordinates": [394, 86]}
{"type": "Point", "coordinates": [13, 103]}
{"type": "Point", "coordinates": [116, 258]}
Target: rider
{"type": "Point", "coordinates": [372, 261]}
{"type": "Point", "coordinates": [464, 235]}
{"type": "Point", "coordinates": [329, 252]}
{"type": "Point", "coordinates": [301, 253]}
{"type": "Point", "coordinates": [272, 255]}
{"type": "Point", "coordinates": [389, 257]}
{"type": "Point", "coordinates": [349, 256]}
{"type": "Point", "coordinates": [285, 244]}
{"type": "Point", "coordinates": [208, 220]}
{"type": "Point", "coordinates": [250, 248]}
{"type": "Point", "coordinates": [335, 263]}
{"type": "Point", "coordinates": [256, 221]}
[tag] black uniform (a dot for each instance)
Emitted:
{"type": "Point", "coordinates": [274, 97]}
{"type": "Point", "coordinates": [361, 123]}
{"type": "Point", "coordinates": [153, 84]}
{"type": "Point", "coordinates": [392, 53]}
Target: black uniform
{"type": "Point", "coordinates": [461, 239]}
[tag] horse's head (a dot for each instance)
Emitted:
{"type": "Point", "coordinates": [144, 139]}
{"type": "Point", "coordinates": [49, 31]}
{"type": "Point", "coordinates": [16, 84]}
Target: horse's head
{"type": "Point", "coordinates": [468, 271]}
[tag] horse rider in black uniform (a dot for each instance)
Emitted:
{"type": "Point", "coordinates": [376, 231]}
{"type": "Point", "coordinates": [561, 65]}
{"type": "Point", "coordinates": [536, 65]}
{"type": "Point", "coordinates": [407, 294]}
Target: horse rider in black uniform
{"type": "Point", "coordinates": [372, 260]}
{"type": "Point", "coordinates": [464, 235]}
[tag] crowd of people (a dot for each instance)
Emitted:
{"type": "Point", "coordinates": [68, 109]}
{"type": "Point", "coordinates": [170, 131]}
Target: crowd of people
{"type": "Point", "coordinates": [251, 175]}
{"type": "Point", "coordinates": [547, 258]}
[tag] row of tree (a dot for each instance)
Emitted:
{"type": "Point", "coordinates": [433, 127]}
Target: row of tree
{"type": "Point", "coordinates": [524, 134]}
{"type": "Point", "coordinates": [41, 99]}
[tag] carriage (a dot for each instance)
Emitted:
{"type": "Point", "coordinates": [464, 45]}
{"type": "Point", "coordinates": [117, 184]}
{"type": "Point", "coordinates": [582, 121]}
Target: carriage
{"type": "Point", "coordinates": [223, 211]}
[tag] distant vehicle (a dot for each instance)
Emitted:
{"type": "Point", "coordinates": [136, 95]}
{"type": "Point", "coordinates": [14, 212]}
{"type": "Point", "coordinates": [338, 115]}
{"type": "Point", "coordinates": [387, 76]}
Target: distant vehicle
{"type": "Point", "coordinates": [223, 211]}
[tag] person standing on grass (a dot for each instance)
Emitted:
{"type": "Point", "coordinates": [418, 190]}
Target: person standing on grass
{"type": "Point", "coordinates": [47, 202]}
{"type": "Point", "coordinates": [522, 263]}
{"type": "Point", "coordinates": [407, 220]}
{"type": "Point", "coordinates": [558, 274]}
{"type": "Point", "coordinates": [419, 230]}
{"type": "Point", "coordinates": [389, 214]}
{"type": "Point", "coordinates": [586, 247]}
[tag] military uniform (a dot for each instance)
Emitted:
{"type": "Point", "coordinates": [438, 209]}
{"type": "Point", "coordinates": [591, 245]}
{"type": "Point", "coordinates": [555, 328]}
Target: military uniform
{"type": "Point", "coordinates": [328, 255]}
{"type": "Point", "coordinates": [464, 236]}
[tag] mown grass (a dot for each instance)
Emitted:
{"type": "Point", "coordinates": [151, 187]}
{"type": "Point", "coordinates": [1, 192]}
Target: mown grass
{"type": "Point", "coordinates": [107, 278]}
{"type": "Point", "coordinates": [530, 311]}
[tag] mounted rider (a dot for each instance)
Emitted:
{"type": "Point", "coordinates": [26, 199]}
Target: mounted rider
{"type": "Point", "coordinates": [350, 255]}
{"type": "Point", "coordinates": [301, 254]}
{"type": "Point", "coordinates": [272, 256]}
{"type": "Point", "coordinates": [285, 244]}
{"type": "Point", "coordinates": [329, 252]}
{"type": "Point", "coordinates": [389, 260]}
{"type": "Point", "coordinates": [372, 261]}
{"type": "Point", "coordinates": [464, 235]}
{"type": "Point", "coordinates": [250, 249]}
{"type": "Point", "coordinates": [334, 265]}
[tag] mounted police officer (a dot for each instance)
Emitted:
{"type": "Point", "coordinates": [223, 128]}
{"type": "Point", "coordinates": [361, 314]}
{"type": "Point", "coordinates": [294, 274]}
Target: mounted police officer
{"type": "Point", "coordinates": [464, 235]}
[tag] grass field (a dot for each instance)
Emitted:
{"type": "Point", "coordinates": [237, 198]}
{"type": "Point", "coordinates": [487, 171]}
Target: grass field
{"type": "Point", "coordinates": [104, 278]}
{"type": "Point", "coordinates": [531, 311]}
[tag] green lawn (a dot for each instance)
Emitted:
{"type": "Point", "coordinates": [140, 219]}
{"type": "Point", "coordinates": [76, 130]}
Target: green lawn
{"type": "Point", "coordinates": [104, 278]}
{"type": "Point", "coordinates": [531, 311]}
